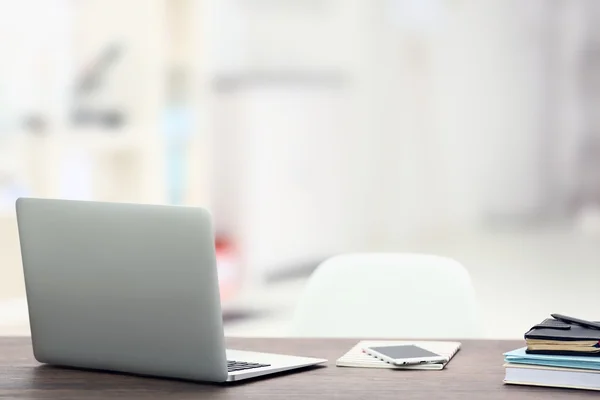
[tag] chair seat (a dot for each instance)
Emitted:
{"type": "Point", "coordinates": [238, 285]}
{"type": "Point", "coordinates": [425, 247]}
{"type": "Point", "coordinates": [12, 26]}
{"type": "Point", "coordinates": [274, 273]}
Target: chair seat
{"type": "Point", "coordinates": [388, 296]}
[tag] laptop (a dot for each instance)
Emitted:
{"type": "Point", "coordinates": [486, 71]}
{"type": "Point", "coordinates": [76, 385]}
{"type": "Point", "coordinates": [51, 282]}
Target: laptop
{"type": "Point", "coordinates": [130, 288]}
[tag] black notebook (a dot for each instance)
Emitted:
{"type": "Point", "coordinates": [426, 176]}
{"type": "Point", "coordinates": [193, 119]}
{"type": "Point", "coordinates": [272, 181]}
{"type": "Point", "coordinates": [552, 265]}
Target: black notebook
{"type": "Point", "coordinates": [554, 337]}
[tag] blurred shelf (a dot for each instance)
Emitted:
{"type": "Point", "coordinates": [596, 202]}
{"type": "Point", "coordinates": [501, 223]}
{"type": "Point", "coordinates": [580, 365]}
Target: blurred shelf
{"type": "Point", "coordinates": [102, 140]}
{"type": "Point", "coordinates": [88, 139]}
{"type": "Point", "coordinates": [228, 82]}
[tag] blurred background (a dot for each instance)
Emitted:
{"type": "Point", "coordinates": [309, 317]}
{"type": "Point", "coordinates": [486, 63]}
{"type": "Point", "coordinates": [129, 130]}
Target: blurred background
{"type": "Point", "coordinates": [464, 128]}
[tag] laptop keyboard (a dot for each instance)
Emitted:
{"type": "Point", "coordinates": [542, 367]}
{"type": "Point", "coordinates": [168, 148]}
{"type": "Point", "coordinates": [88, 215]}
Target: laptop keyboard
{"type": "Point", "coordinates": [233, 366]}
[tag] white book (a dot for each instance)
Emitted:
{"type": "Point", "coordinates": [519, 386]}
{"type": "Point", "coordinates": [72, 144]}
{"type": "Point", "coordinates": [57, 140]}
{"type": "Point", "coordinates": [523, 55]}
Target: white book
{"type": "Point", "coordinates": [356, 357]}
{"type": "Point", "coordinates": [538, 375]}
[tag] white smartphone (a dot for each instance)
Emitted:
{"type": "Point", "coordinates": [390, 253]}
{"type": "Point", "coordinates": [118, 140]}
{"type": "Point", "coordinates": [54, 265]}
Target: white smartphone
{"type": "Point", "coordinates": [404, 355]}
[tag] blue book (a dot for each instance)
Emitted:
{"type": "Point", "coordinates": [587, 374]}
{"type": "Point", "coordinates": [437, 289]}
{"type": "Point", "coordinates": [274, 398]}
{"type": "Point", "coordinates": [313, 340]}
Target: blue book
{"type": "Point", "coordinates": [519, 356]}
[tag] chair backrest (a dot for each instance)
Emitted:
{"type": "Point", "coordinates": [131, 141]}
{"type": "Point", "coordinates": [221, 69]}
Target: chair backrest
{"type": "Point", "coordinates": [415, 296]}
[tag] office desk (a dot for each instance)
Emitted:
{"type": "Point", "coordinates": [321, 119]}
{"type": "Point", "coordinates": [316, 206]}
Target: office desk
{"type": "Point", "coordinates": [475, 373]}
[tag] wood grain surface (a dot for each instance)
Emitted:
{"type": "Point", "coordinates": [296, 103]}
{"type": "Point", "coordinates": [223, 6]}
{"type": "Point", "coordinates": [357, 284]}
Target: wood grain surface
{"type": "Point", "coordinates": [476, 372]}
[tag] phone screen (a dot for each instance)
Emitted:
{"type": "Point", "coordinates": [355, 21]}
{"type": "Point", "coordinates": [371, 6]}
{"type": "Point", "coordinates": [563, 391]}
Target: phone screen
{"type": "Point", "coordinates": [406, 351]}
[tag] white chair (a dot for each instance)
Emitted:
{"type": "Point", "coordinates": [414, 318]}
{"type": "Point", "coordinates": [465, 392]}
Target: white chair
{"type": "Point", "coordinates": [413, 296]}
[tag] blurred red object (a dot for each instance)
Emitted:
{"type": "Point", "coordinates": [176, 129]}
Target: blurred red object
{"type": "Point", "coordinates": [228, 266]}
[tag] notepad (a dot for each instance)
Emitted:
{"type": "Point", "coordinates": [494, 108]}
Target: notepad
{"type": "Point", "coordinates": [355, 357]}
{"type": "Point", "coordinates": [546, 338]}
{"type": "Point", "coordinates": [520, 356]}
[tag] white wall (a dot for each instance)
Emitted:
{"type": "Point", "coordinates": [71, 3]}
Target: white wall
{"type": "Point", "coordinates": [489, 75]}
{"type": "Point", "coordinates": [566, 54]}
{"type": "Point", "coordinates": [434, 132]}
{"type": "Point", "coordinates": [462, 111]}
{"type": "Point", "coordinates": [291, 163]}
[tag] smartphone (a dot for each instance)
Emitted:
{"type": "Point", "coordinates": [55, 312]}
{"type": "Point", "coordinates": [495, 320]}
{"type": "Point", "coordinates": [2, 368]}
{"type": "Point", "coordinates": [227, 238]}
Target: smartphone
{"type": "Point", "coordinates": [404, 355]}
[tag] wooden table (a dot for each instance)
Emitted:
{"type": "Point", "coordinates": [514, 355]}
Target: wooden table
{"type": "Point", "coordinates": [476, 372]}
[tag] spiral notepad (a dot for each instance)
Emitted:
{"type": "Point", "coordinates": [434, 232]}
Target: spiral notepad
{"type": "Point", "coordinates": [355, 357]}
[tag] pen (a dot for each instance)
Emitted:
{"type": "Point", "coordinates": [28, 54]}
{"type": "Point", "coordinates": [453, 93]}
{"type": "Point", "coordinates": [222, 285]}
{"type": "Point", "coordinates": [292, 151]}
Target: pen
{"type": "Point", "coordinates": [572, 320]}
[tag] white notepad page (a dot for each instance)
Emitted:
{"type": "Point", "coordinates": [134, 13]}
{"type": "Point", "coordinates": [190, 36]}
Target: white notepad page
{"type": "Point", "coordinates": [355, 357]}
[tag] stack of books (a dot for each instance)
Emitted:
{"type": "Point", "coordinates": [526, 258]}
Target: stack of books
{"type": "Point", "coordinates": [556, 354]}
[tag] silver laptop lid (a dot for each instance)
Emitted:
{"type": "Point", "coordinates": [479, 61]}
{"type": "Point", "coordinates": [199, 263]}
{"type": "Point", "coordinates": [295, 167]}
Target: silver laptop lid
{"type": "Point", "coordinates": [123, 287]}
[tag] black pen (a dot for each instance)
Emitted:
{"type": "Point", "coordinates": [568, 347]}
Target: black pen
{"type": "Point", "coordinates": [571, 320]}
